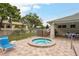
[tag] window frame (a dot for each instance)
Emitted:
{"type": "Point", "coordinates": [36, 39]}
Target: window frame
{"type": "Point", "coordinates": [73, 26]}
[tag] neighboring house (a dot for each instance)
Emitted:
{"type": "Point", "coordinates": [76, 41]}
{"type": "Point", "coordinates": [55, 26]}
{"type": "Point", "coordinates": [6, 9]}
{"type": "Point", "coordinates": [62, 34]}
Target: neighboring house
{"type": "Point", "coordinates": [15, 26]}
{"type": "Point", "coordinates": [63, 25]}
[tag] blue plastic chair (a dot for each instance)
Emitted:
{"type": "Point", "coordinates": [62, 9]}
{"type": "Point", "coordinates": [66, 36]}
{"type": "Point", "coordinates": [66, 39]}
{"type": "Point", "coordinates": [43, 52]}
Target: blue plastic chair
{"type": "Point", "coordinates": [4, 43]}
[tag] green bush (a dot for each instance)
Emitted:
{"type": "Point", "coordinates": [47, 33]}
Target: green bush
{"type": "Point", "coordinates": [18, 35]}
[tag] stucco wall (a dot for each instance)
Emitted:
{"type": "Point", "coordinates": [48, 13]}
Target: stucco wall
{"type": "Point", "coordinates": [63, 31]}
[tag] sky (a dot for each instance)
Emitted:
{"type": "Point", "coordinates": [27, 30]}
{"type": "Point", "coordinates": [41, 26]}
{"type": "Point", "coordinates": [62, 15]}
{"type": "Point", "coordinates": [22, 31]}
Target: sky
{"type": "Point", "coordinates": [47, 11]}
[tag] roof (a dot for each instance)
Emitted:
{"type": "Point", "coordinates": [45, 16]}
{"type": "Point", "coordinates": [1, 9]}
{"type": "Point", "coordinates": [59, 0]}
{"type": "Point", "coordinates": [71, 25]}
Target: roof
{"type": "Point", "coordinates": [67, 18]}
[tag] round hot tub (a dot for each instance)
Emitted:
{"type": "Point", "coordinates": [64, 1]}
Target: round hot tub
{"type": "Point", "coordinates": [41, 42]}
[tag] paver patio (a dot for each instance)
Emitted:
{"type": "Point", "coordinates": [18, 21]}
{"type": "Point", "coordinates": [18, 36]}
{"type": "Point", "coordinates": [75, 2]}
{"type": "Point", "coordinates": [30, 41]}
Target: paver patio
{"type": "Point", "coordinates": [62, 48]}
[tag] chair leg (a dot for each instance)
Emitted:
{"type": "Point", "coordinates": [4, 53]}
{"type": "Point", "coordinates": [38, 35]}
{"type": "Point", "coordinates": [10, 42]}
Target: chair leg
{"type": "Point", "coordinates": [3, 51]}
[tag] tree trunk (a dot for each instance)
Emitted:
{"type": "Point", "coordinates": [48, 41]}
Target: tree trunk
{"type": "Point", "coordinates": [10, 22]}
{"type": "Point", "coordinates": [1, 21]}
{"type": "Point", "coordinates": [29, 28]}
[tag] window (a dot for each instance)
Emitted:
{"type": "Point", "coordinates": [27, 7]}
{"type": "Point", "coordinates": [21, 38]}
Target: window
{"type": "Point", "coordinates": [63, 26]}
{"type": "Point", "coordinates": [59, 26]}
{"type": "Point", "coordinates": [73, 26]}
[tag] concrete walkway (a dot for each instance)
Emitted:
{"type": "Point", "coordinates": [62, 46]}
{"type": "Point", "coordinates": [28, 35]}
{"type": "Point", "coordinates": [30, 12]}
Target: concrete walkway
{"type": "Point", "coordinates": [62, 48]}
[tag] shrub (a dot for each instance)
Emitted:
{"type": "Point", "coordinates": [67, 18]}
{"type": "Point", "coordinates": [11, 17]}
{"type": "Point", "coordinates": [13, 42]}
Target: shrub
{"type": "Point", "coordinates": [18, 35]}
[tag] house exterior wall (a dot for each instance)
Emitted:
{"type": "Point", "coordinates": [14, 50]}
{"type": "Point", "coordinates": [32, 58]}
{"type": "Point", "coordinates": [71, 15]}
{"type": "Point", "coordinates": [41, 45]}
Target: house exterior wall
{"type": "Point", "coordinates": [63, 31]}
{"type": "Point", "coordinates": [14, 26]}
{"type": "Point", "coordinates": [68, 21]}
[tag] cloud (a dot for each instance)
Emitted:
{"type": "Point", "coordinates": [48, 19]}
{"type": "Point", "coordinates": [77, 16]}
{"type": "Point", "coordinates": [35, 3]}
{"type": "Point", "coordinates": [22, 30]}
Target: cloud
{"type": "Point", "coordinates": [25, 8]}
{"type": "Point", "coordinates": [36, 6]}
{"type": "Point", "coordinates": [39, 1]}
{"type": "Point", "coordinates": [27, 2]}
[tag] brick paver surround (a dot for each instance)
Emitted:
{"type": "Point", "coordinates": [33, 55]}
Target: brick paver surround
{"type": "Point", "coordinates": [62, 48]}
